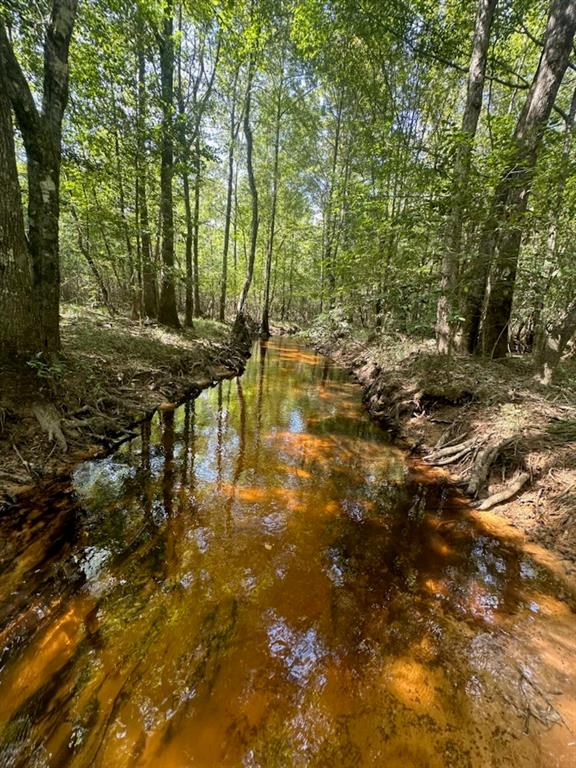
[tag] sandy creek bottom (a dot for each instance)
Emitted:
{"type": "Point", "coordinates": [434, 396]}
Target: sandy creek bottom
{"type": "Point", "coordinates": [264, 579]}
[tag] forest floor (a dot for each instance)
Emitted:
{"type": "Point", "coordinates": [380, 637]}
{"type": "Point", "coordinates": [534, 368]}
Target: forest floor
{"type": "Point", "coordinates": [490, 427]}
{"type": "Point", "coordinates": [113, 373]}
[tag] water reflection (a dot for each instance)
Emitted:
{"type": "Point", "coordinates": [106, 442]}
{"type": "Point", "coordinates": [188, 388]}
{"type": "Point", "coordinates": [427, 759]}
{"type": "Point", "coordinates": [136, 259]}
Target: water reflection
{"type": "Point", "coordinates": [261, 580]}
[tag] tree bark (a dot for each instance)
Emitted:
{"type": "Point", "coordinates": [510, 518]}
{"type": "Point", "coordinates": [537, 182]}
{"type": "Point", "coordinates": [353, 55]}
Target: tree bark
{"type": "Point", "coordinates": [512, 193]}
{"type": "Point", "coordinates": [329, 268]}
{"type": "Point", "coordinates": [196, 228]}
{"type": "Point", "coordinates": [554, 344]}
{"type": "Point", "coordinates": [18, 329]}
{"type": "Point", "coordinates": [265, 322]}
{"type": "Point", "coordinates": [41, 131]}
{"type": "Point", "coordinates": [132, 275]}
{"type": "Point", "coordinates": [149, 277]}
{"type": "Point", "coordinates": [459, 194]}
{"type": "Point", "coordinates": [234, 127]}
{"type": "Point", "coordinates": [189, 282]}
{"type": "Point", "coordinates": [167, 310]}
{"type": "Point", "coordinates": [477, 284]}
{"type": "Point", "coordinates": [253, 193]}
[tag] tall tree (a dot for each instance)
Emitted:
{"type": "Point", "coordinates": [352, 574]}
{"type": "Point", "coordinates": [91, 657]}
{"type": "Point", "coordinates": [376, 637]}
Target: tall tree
{"type": "Point", "coordinates": [254, 222]}
{"type": "Point", "coordinates": [460, 183]}
{"type": "Point", "coordinates": [148, 267]}
{"type": "Point", "coordinates": [265, 322]}
{"type": "Point", "coordinates": [167, 310]}
{"type": "Point", "coordinates": [512, 193]}
{"type": "Point", "coordinates": [234, 127]}
{"type": "Point", "coordinates": [41, 129]}
{"type": "Point", "coordinates": [18, 330]}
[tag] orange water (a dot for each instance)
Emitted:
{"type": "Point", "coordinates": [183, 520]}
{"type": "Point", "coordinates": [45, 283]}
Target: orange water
{"type": "Point", "coordinates": [262, 579]}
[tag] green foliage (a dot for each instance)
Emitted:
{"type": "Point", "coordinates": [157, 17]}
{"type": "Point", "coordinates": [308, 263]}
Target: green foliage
{"type": "Point", "coordinates": [49, 370]}
{"type": "Point", "coordinates": [370, 129]}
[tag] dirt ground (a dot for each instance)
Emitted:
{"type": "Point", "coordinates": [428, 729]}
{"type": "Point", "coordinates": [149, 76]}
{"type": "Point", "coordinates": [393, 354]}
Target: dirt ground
{"type": "Point", "coordinates": [112, 374]}
{"type": "Point", "coordinates": [508, 441]}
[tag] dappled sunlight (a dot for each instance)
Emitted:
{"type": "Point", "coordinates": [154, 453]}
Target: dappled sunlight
{"type": "Point", "coordinates": [46, 656]}
{"type": "Point", "coordinates": [291, 500]}
{"type": "Point", "coordinates": [414, 684]}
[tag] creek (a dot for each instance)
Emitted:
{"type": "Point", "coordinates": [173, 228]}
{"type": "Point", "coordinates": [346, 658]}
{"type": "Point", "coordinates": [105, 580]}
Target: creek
{"type": "Point", "coordinates": [265, 578]}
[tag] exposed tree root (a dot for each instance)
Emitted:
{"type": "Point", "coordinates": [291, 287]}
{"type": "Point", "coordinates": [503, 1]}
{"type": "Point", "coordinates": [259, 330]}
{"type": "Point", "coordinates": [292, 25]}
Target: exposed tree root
{"type": "Point", "coordinates": [508, 492]}
{"type": "Point", "coordinates": [451, 453]}
{"type": "Point", "coordinates": [48, 418]}
{"type": "Point", "coordinates": [482, 465]}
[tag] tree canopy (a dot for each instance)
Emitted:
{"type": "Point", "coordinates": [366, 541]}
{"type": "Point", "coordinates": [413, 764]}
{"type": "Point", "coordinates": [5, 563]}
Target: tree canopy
{"type": "Point", "coordinates": [405, 164]}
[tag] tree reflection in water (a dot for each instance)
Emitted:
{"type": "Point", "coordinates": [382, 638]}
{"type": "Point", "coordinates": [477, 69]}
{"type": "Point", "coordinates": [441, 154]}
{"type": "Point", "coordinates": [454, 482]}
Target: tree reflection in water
{"type": "Point", "coordinates": [262, 580]}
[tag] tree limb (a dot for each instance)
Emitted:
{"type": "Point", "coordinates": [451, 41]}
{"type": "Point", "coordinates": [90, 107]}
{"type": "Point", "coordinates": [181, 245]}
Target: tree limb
{"type": "Point", "coordinates": [27, 115]}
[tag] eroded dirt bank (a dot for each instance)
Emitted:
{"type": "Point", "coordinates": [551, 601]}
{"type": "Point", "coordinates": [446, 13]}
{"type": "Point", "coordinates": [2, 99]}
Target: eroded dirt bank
{"type": "Point", "coordinates": [509, 442]}
{"type": "Point", "coordinates": [113, 373]}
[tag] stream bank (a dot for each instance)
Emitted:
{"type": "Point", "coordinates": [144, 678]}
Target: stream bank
{"type": "Point", "coordinates": [113, 373]}
{"type": "Point", "coordinates": [489, 426]}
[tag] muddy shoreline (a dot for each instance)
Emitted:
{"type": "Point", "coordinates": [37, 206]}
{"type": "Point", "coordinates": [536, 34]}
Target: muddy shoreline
{"type": "Point", "coordinates": [506, 443]}
{"type": "Point", "coordinates": [51, 423]}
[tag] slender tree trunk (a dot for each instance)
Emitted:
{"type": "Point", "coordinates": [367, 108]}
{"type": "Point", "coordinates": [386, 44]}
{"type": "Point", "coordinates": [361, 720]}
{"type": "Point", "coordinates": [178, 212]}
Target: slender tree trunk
{"type": "Point", "coordinates": [253, 193]}
{"type": "Point", "coordinates": [184, 160]}
{"type": "Point", "coordinates": [167, 311]}
{"type": "Point", "coordinates": [196, 228]}
{"type": "Point", "coordinates": [18, 329]}
{"type": "Point", "coordinates": [459, 193]}
{"type": "Point", "coordinates": [132, 285]}
{"type": "Point", "coordinates": [511, 197]}
{"type": "Point", "coordinates": [229, 198]}
{"type": "Point", "coordinates": [149, 277]}
{"type": "Point", "coordinates": [42, 135]}
{"type": "Point", "coordinates": [189, 301]}
{"type": "Point", "coordinates": [328, 255]}
{"type": "Point", "coordinates": [265, 323]}
{"type": "Point", "coordinates": [84, 246]}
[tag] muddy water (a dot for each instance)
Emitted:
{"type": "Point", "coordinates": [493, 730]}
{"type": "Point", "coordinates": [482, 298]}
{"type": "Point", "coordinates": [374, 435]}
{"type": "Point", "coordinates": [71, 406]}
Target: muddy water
{"type": "Point", "coordinates": [262, 579]}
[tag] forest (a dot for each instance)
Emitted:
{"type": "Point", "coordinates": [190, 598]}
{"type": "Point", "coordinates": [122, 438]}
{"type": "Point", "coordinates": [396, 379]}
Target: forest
{"type": "Point", "coordinates": [407, 165]}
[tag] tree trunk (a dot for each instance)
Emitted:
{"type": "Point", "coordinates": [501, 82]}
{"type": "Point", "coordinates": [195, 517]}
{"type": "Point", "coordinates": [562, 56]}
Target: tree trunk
{"type": "Point", "coordinates": [84, 246]}
{"type": "Point", "coordinates": [189, 300]}
{"type": "Point", "coordinates": [229, 199]}
{"type": "Point", "coordinates": [477, 285]}
{"type": "Point", "coordinates": [132, 283]}
{"type": "Point", "coordinates": [18, 329]}
{"type": "Point", "coordinates": [196, 229]}
{"type": "Point", "coordinates": [42, 135]}
{"type": "Point", "coordinates": [511, 197]}
{"type": "Point", "coordinates": [253, 193]}
{"type": "Point", "coordinates": [149, 278]}
{"type": "Point", "coordinates": [184, 161]}
{"type": "Point", "coordinates": [555, 343]}
{"type": "Point", "coordinates": [328, 255]}
{"type": "Point", "coordinates": [167, 311]}
{"type": "Point", "coordinates": [459, 193]}
{"type": "Point", "coordinates": [265, 322]}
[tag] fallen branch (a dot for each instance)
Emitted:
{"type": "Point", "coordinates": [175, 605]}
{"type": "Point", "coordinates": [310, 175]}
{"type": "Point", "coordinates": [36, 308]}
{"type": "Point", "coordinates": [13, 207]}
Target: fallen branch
{"type": "Point", "coordinates": [510, 490]}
